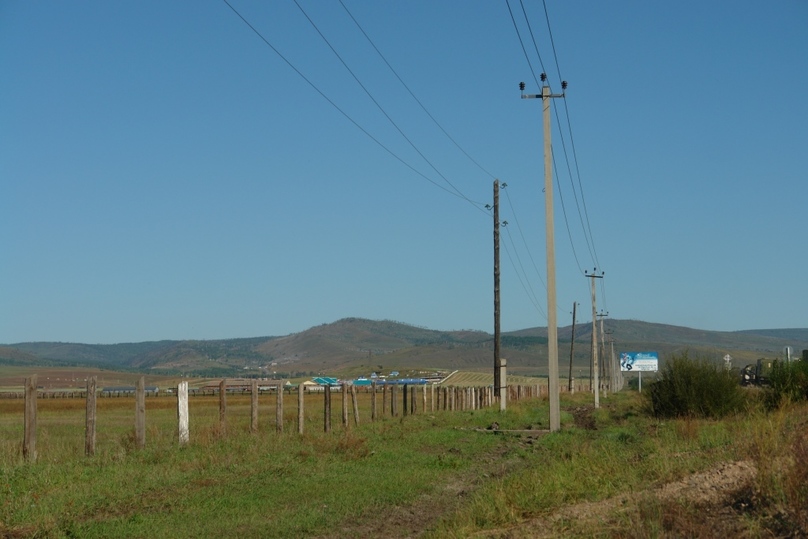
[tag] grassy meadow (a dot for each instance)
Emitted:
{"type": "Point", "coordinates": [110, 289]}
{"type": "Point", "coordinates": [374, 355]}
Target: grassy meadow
{"type": "Point", "coordinates": [432, 474]}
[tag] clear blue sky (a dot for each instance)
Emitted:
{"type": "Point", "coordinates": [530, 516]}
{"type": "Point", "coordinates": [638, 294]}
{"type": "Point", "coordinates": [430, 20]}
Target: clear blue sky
{"type": "Point", "coordinates": [164, 174]}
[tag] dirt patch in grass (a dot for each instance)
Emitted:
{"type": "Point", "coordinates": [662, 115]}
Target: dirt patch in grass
{"type": "Point", "coordinates": [420, 516]}
{"type": "Point", "coordinates": [704, 504]}
{"type": "Point", "coordinates": [584, 417]}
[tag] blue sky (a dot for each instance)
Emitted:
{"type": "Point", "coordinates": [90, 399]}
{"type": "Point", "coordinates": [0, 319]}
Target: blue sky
{"type": "Point", "coordinates": [164, 174]}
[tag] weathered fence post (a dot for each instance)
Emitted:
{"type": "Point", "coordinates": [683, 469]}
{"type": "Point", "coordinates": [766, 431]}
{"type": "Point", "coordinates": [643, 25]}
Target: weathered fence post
{"type": "Point", "coordinates": [29, 435]}
{"type": "Point", "coordinates": [384, 399]}
{"type": "Point", "coordinates": [254, 406]}
{"type": "Point", "coordinates": [432, 397]}
{"type": "Point", "coordinates": [89, 428]}
{"type": "Point", "coordinates": [327, 408]}
{"type": "Point", "coordinates": [279, 410]}
{"type": "Point", "coordinates": [300, 416]}
{"type": "Point", "coordinates": [140, 413]}
{"type": "Point", "coordinates": [183, 432]}
{"type": "Point", "coordinates": [424, 393]}
{"type": "Point", "coordinates": [222, 407]}
{"type": "Point", "coordinates": [344, 405]}
{"type": "Point", "coordinates": [373, 401]}
{"type": "Point", "coordinates": [394, 400]}
{"type": "Point", "coordinates": [413, 400]}
{"type": "Point", "coordinates": [355, 405]}
{"type": "Point", "coordinates": [406, 393]}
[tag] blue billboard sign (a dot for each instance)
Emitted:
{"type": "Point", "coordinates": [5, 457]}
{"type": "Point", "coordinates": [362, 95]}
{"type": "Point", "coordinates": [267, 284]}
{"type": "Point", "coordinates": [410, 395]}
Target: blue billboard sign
{"type": "Point", "coordinates": [639, 361]}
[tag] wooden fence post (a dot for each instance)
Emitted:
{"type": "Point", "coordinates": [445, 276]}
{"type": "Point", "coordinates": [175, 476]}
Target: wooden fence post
{"type": "Point", "coordinates": [394, 400]}
{"type": "Point", "coordinates": [384, 399]}
{"type": "Point", "coordinates": [355, 405]}
{"type": "Point", "coordinates": [254, 406]}
{"type": "Point", "coordinates": [140, 413]}
{"type": "Point", "coordinates": [327, 408]}
{"type": "Point", "coordinates": [300, 416]}
{"type": "Point", "coordinates": [183, 432]}
{"type": "Point", "coordinates": [413, 400]}
{"type": "Point", "coordinates": [222, 407]}
{"type": "Point", "coordinates": [373, 400]}
{"type": "Point", "coordinates": [29, 435]}
{"type": "Point", "coordinates": [89, 428]}
{"type": "Point", "coordinates": [279, 410]}
{"type": "Point", "coordinates": [344, 405]}
{"type": "Point", "coordinates": [424, 393]}
{"type": "Point", "coordinates": [406, 393]}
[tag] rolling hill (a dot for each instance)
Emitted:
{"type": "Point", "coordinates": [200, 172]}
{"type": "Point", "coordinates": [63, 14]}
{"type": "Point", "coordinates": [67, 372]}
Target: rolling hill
{"type": "Point", "coordinates": [360, 346]}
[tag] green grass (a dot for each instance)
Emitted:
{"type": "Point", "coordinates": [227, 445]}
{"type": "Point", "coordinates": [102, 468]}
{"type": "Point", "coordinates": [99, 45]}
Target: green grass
{"type": "Point", "coordinates": [441, 474]}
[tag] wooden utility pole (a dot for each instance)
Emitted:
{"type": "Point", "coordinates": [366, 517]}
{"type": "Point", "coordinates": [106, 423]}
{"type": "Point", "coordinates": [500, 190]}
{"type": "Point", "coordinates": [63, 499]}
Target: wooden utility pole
{"type": "Point", "coordinates": [497, 359]}
{"type": "Point", "coordinates": [604, 366]}
{"type": "Point", "coordinates": [571, 383]}
{"type": "Point", "coordinates": [552, 322]}
{"type": "Point", "coordinates": [593, 362]}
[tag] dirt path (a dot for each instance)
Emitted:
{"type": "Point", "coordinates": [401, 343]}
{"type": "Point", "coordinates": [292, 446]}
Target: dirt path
{"type": "Point", "coordinates": [711, 491]}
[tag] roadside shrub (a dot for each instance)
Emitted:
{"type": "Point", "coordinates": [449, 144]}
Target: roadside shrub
{"type": "Point", "coordinates": [788, 382]}
{"type": "Point", "coordinates": [695, 388]}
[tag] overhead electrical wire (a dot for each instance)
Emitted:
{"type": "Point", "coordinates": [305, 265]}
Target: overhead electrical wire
{"type": "Point", "coordinates": [572, 139]}
{"type": "Point", "coordinates": [412, 94]}
{"type": "Point", "coordinates": [521, 233]}
{"type": "Point", "coordinates": [345, 114]}
{"type": "Point", "coordinates": [454, 190]}
{"type": "Point", "coordinates": [582, 213]}
{"type": "Point", "coordinates": [561, 136]}
{"type": "Point", "coordinates": [528, 292]}
{"type": "Point", "coordinates": [382, 110]}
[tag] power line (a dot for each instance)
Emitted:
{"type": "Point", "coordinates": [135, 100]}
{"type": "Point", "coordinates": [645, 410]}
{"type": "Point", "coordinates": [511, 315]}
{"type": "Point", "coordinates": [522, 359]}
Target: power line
{"type": "Point", "coordinates": [586, 228]}
{"type": "Point", "coordinates": [572, 140]}
{"type": "Point", "coordinates": [423, 107]}
{"type": "Point", "coordinates": [528, 293]}
{"type": "Point", "coordinates": [337, 107]}
{"type": "Point", "coordinates": [381, 109]}
{"type": "Point", "coordinates": [521, 233]}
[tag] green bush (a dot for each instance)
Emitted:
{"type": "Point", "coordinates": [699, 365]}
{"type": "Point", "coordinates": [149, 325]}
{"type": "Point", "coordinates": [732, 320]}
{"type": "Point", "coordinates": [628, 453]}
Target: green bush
{"type": "Point", "coordinates": [788, 382]}
{"type": "Point", "coordinates": [695, 388]}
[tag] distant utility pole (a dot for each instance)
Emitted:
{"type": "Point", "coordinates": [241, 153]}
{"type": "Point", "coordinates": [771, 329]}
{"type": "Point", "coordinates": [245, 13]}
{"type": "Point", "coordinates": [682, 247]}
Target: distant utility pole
{"type": "Point", "coordinates": [593, 360]}
{"type": "Point", "coordinates": [603, 366]}
{"type": "Point", "coordinates": [497, 358]}
{"type": "Point", "coordinates": [552, 323]}
{"type": "Point", "coordinates": [571, 380]}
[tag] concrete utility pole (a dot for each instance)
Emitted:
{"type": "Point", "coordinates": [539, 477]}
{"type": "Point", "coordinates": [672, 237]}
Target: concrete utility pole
{"type": "Point", "coordinates": [497, 358]}
{"type": "Point", "coordinates": [593, 362]}
{"type": "Point", "coordinates": [552, 323]}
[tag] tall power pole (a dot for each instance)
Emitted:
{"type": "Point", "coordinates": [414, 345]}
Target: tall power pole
{"type": "Point", "coordinates": [497, 358]}
{"type": "Point", "coordinates": [593, 362]}
{"type": "Point", "coordinates": [552, 322]}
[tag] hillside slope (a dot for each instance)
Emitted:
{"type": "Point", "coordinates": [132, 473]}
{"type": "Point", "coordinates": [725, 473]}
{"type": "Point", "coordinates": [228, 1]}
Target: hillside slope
{"type": "Point", "coordinates": [362, 346]}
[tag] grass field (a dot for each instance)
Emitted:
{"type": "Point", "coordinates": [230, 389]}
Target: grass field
{"type": "Point", "coordinates": [441, 474]}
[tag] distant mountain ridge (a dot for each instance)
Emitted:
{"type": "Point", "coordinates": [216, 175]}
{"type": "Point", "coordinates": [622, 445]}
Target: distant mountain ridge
{"type": "Point", "coordinates": [361, 345]}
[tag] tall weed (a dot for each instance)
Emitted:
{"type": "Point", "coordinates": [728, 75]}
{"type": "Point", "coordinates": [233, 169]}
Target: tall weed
{"type": "Point", "coordinates": [788, 382]}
